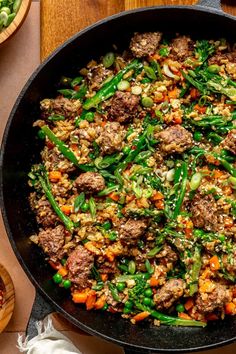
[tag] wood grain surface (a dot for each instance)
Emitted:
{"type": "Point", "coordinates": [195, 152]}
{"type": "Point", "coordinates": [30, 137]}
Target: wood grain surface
{"type": "Point", "coordinates": [60, 19]}
{"type": "Point", "coordinates": [9, 299]}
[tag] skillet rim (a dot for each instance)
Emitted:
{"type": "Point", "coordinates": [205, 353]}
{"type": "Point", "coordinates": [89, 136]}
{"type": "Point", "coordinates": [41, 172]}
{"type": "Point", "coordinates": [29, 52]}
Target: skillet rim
{"type": "Point", "coordinates": [38, 288]}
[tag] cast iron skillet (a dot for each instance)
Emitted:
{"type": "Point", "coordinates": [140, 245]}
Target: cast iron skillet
{"type": "Point", "coordinates": [20, 149]}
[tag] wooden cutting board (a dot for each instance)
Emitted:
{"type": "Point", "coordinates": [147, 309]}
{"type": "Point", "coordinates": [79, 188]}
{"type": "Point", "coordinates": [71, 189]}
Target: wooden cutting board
{"type": "Point", "coordinates": [60, 19]}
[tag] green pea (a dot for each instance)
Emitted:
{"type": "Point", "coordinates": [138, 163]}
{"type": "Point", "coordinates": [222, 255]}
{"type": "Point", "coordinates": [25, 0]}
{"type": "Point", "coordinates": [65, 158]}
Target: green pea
{"type": "Point", "coordinates": [108, 59]}
{"type": "Point", "coordinates": [106, 225]}
{"type": "Point", "coordinates": [112, 236]}
{"type": "Point", "coordinates": [195, 181]}
{"type": "Point", "coordinates": [197, 136]}
{"type": "Point", "coordinates": [126, 310]}
{"type": "Point", "coordinates": [213, 68]}
{"type": "Point", "coordinates": [147, 301]}
{"type": "Point", "coordinates": [221, 238]}
{"type": "Point", "coordinates": [129, 304]}
{"type": "Point", "coordinates": [105, 307]}
{"type": "Point", "coordinates": [67, 284]}
{"type": "Point", "coordinates": [110, 184]}
{"type": "Point", "coordinates": [84, 207]}
{"type": "Point", "coordinates": [148, 292]}
{"type": "Point", "coordinates": [180, 308]}
{"type": "Point", "coordinates": [91, 156]}
{"type": "Point", "coordinates": [41, 134]}
{"type": "Point", "coordinates": [120, 286]}
{"type": "Point", "coordinates": [131, 267]}
{"type": "Point", "coordinates": [164, 52]}
{"type": "Point", "coordinates": [147, 102]}
{"type": "Point", "coordinates": [126, 150]}
{"type": "Point", "coordinates": [89, 116]}
{"type": "Point", "coordinates": [57, 278]}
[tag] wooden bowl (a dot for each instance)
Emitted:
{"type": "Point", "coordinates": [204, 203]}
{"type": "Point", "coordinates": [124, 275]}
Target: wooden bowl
{"type": "Point", "coordinates": [17, 22]}
{"type": "Point", "coordinates": [9, 298]}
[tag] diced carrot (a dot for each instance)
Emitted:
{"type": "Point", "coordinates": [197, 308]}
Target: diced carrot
{"type": "Point", "coordinates": [110, 255]}
{"type": "Point", "coordinates": [157, 196]}
{"type": "Point", "coordinates": [159, 204]}
{"type": "Point", "coordinates": [214, 263]}
{"type": "Point", "coordinates": [194, 93]}
{"type": "Point", "coordinates": [218, 174]}
{"type": "Point", "coordinates": [177, 120]}
{"type": "Point", "coordinates": [153, 281]}
{"type": "Point", "coordinates": [142, 202]}
{"type": "Point", "coordinates": [74, 147]}
{"type": "Point", "coordinates": [114, 196]}
{"type": "Point", "coordinates": [189, 304]}
{"type": "Point", "coordinates": [228, 221]}
{"type": "Point", "coordinates": [206, 274]}
{"type": "Point", "coordinates": [104, 276]}
{"type": "Point", "coordinates": [100, 303]}
{"type": "Point", "coordinates": [212, 317]}
{"type": "Point", "coordinates": [155, 56]}
{"type": "Point", "coordinates": [184, 316]}
{"type": "Point", "coordinates": [67, 209]}
{"type": "Point", "coordinates": [173, 93]}
{"type": "Point", "coordinates": [103, 123]}
{"type": "Point", "coordinates": [188, 233]}
{"type": "Point", "coordinates": [91, 300]}
{"type": "Point", "coordinates": [141, 316]}
{"type": "Point", "coordinates": [200, 109]}
{"type": "Point", "coordinates": [129, 198]}
{"type": "Point", "coordinates": [80, 297]}
{"type": "Point", "coordinates": [227, 190]}
{"type": "Point", "coordinates": [62, 271]}
{"type": "Point", "coordinates": [54, 176]}
{"type": "Point", "coordinates": [207, 286]}
{"type": "Point", "coordinates": [212, 159]}
{"type": "Point", "coordinates": [230, 308]}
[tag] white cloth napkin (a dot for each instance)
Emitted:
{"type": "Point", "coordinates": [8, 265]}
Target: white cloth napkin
{"type": "Point", "coordinates": [48, 341]}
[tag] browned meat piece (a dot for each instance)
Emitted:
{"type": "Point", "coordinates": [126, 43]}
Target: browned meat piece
{"type": "Point", "coordinates": [216, 299]}
{"type": "Point", "coordinates": [203, 211]}
{"type": "Point", "coordinates": [90, 182]}
{"type": "Point", "coordinates": [143, 44]}
{"type": "Point", "coordinates": [132, 230]}
{"type": "Point", "coordinates": [60, 105]}
{"type": "Point", "coordinates": [44, 213]}
{"type": "Point", "coordinates": [79, 264]}
{"type": "Point", "coordinates": [229, 143]}
{"type": "Point", "coordinates": [174, 139]}
{"type": "Point", "coordinates": [168, 254]}
{"type": "Point", "coordinates": [171, 291]}
{"type": "Point", "coordinates": [111, 138]}
{"type": "Point", "coordinates": [181, 47]}
{"type": "Point", "coordinates": [108, 268]}
{"type": "Point", "coordinates": [97, 75]}
{"type": "Point", "coordinates": [52, 242]}
{"type": "Point", "coordinates": [222, 58]}
{"type": "Point", "coordinates": [124, 106]}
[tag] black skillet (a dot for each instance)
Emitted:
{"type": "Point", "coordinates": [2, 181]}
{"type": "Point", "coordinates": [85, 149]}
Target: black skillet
{"type": "Point", "coordinates": [20, 149]}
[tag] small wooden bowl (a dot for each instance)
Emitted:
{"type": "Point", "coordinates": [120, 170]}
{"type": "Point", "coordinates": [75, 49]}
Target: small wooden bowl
{"type": "Point", "coordinates": [9, 298]}
{"type": "Point", "coordinates": [17, 22]}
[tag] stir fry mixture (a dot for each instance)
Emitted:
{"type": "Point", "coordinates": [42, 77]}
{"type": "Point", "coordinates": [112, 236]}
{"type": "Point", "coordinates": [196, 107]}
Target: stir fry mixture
{"type": "Point", "coordinates": [135, 194]}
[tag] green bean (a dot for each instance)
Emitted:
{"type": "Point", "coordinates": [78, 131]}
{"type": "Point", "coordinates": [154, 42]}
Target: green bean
{"type": "Point", "coordinates": [110, 87]}
{"type": "Point", "coordinates": [108, 190]}
{"type": "Point", "coordinates": [76, 81]}
{"type": "Point", "coordinates": [195, 270]}
{"type": "Point", "coordinates": [154, 251]}
{"type": "Point", "coordinates": [114, 292]}
{"type": "Point", "coordinates": [150, 72]}
{"type": "Point", "coordinates": [79, 201]}
{"type": "Point", "coordinates": [92, 207]}
{"type": "Point", "coordinates": [184, 174]}
{"type": "Point", "coordinates": [56, 117]}
{"type": "Point", "coordinates": [16, 5]}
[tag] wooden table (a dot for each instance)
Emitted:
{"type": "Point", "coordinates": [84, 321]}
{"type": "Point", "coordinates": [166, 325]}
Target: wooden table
{"type": "Point", "coordinates": [54, 30]}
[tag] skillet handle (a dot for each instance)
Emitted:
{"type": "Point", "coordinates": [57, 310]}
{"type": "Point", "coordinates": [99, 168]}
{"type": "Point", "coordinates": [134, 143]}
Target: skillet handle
{"type": "Point", "coordinates": [210, 3]}
{"type": "Point", "coordinates": [41, 308]}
